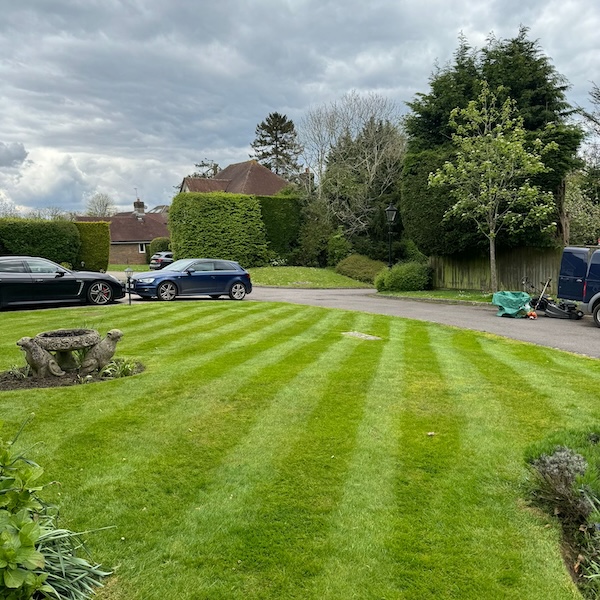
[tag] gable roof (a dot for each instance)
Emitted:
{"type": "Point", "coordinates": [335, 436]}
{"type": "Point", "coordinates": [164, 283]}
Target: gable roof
{"type": "Point", "coordinates": [247, 177]}
{"type": "Point", "coordinates": [132, 227]}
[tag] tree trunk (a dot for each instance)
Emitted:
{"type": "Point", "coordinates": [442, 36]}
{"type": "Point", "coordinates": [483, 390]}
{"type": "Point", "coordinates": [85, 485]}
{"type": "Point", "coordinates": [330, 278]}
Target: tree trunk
{"type": "Point", "coordinates": [493, 272]}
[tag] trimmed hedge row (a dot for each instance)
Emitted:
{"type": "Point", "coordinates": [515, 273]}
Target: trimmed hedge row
{"type": "Point", "coordinates": [282, 216]}
{"type": "Point", "coordinates": [94, 251]}
{"type": "Point", "coordinates": [55, 240]}
{"type": "Point", "coordinates": [220, 225]}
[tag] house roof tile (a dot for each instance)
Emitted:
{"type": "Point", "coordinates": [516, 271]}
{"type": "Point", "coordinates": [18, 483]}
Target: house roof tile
{"type": "Point", "coordinates": [247, 177]}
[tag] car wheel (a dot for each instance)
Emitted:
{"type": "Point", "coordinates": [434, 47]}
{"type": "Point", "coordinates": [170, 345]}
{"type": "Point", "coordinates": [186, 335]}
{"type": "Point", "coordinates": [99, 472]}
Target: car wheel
{"type": "Point", "coordinates": [166, 291]}
{"type": "Point", "coordinates": [237, 291]}
{"type": "Point", "coordinates": [596, 314]}
{"type": "Point", "coordinates": [215, 296]}
{"type": "Point", "coordinates": [100, 292]}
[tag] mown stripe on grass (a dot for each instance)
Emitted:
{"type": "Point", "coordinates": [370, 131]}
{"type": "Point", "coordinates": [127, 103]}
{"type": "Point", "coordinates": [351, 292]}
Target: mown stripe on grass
{"type": "Point", "coordinates": [286, 540]}
{"type": "Point", "coordinates": [487, 487]}
{"type": "Point", "coordinates": [225, 519]}
{"type": "Point", "coordinates": [135, 414]}
{"type": "Point", "coordinates": [364, 518]}
{"type": "Point", "coordinates": [429, 431]}
{"type": "Point", "coordinates": [574, 399]}
{"type": "Point", "coordinates": [200, 345]}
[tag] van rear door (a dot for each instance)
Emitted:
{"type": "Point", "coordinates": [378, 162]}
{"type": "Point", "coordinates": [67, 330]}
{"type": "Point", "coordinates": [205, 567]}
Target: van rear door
{"type": "Point", "coordinates": [593, 277]}
{"type": "Point", "coordinates": [573, 270]}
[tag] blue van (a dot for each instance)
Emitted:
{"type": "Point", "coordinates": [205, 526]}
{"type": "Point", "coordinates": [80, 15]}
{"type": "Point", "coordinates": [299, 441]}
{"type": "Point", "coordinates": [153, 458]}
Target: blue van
{"type": "Point", "coordinates": [579, 278]}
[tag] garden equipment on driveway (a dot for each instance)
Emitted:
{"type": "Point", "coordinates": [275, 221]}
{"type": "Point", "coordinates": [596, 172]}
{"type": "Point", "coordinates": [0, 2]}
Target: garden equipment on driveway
{"type": "Point", "coordinates": [512, 304]}
{"type": "Point", "coordinates": [557, 309]}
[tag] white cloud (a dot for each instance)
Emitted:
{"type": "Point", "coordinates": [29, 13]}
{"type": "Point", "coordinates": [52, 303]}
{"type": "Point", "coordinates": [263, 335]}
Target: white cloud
{"type": "Point", "coordinates": [113, 95]}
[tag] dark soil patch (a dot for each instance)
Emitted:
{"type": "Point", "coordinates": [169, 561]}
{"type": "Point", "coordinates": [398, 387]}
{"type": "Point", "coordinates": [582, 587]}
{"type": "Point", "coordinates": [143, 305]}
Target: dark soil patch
{"type": "Point", "coordinates": [17, 379]}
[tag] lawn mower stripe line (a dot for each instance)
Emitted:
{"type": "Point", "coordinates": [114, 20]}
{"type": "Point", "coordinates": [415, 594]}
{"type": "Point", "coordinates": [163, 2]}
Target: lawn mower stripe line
{"type": "Point", "coordinates": [178, 396]}
{"type": "Point", "coordinates": [366, 506]}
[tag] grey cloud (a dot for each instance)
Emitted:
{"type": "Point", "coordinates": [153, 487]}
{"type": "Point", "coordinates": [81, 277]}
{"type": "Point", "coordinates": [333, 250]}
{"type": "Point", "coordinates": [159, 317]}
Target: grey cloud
{"type": "Point", "coordinates": [139, 90]}
{"type": "Point", "coordinates": [12, 154]}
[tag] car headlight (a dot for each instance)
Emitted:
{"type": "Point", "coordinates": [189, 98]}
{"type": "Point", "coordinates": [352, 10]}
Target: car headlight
{"type": "Point", "coordinates": [146, 280]}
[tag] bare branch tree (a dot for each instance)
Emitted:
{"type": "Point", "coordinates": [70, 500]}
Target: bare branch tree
{"type": "Point", "coordinates": [100, 205]}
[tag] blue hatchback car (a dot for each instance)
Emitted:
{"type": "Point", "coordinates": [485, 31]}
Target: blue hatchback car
{"type": "Point", "coordinates": [194, 277]}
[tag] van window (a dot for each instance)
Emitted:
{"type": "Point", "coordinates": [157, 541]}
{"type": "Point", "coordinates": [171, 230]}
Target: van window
{"type": "Point", "coordinates": [574, 262]}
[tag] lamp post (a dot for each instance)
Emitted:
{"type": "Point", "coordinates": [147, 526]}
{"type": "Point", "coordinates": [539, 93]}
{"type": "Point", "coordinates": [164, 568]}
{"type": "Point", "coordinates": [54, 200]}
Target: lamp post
{"type": "Point", "coordinates": [128, 272]}
{"type": "Point", "coordinates": [390, 214]}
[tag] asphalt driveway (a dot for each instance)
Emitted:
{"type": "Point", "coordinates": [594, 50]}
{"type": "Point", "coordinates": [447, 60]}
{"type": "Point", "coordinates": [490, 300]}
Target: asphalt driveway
{"type": "Point", "coordinates": [580, 337]}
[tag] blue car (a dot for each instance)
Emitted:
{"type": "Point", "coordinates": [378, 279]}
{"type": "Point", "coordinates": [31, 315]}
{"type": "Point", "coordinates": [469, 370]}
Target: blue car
{"type": "Point", "coordinates": [194, 277]}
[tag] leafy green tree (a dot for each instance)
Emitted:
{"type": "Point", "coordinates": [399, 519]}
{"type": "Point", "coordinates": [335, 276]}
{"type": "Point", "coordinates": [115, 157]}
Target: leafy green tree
{"type": "Point", "coordinates": [583, 213]}
{"type": "Point", "coordinates": [528, 77]}
{"type": "Point", "coordinates": [276, 146]}
{"type": "Point", "coordinates": [490, 176]}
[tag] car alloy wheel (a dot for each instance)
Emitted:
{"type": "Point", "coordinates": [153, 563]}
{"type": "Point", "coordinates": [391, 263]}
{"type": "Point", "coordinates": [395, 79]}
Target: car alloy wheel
{"type": "Point", "coordinates": [237, 291]}
{"type": "Point", "coordinates": [167, 291]}
{"type": "Point", "coordinates": [100, 293]}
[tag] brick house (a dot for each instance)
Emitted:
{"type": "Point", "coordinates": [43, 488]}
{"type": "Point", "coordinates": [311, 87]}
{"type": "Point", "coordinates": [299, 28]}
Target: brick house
{"type": "Point", "coordinates": [247, 177]}
{"type": "Point", "coordinates": [132, 232]}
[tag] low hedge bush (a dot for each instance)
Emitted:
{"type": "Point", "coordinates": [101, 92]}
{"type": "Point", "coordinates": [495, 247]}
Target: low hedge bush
{"type": "Point", "coordinates": [404, 277]}
{"type": "Point", "coordinates": [360, 268]}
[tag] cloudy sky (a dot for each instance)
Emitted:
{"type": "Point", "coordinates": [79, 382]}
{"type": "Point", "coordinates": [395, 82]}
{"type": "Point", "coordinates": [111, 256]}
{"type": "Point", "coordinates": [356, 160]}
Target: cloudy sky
{"type": "Point", "coordinates": [118, 95]}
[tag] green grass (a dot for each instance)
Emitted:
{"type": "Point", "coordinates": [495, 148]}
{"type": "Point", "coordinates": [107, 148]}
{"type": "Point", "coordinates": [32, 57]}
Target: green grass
{"type": "Point", "coordinates": [447, 295]}
{"type": "Point", "coordinates": [265, 455]}
{"type": "Point", "coordinates": [303, 277]}
{"type": "Point", "coordinates": [134, 268]}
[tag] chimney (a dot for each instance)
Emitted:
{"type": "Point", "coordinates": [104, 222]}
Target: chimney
{"type": "Point", "coordinates": [138, 207]}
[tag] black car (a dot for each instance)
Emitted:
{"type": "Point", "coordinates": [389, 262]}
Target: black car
{"type": "Point", "coordinates": [160, 260]}
{"type": "Point", "coordinates": [33, 280]}
{"type": "Point", "coordinates": [194, 277]}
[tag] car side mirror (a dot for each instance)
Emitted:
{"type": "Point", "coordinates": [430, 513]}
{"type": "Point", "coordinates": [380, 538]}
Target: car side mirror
{"type": "Point", "coordinates": [190, 270]}
{"type": "Point", "coordinates": [60, 273]}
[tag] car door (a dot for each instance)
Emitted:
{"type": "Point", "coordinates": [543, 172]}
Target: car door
{"type": "Point", "coordinates": [52, 282]}
{"type": "Point", "coordinates": [15, 281]}
{"type": "Point", "coordinates": [573, 270]}
{"type": "Point", "coordinates": [225, 273]}
{"type": "Point", "coordinates": [200, 280]}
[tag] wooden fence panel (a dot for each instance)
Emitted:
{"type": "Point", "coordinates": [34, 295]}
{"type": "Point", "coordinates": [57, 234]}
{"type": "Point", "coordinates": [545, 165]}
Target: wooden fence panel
{"type": "Point", "coordinates": [474, 273]}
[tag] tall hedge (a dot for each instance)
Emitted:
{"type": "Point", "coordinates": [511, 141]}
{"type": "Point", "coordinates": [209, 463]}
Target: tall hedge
{"type": "Point", "coordinates": [55, 240]}
{"type": "Point", "coordinates": [282, 216]}
{"type": "Point", "coordinates": [218, 225]}
{"type": "Point", "coordinates": [95, 245]}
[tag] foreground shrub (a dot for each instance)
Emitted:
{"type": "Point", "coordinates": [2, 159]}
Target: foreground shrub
{"type": "Point", "coordinates": [360, 268]}
{"type": "Point", "coordinates": [404, 277]}
{"type": "Point", "coordinates": [37, 559]}
{"type": "Point", "coordinates": [565, 484]}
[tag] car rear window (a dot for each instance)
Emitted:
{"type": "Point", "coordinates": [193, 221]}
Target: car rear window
{"type": "Point", "coordinates": [221, 265]}
{"type": "Point", "coordinates": [11, 266]}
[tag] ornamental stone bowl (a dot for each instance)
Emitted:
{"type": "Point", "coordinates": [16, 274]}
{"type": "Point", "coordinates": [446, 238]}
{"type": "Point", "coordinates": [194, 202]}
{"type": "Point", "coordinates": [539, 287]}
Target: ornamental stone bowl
{"type": "Point", "coordinates": [64, 341]}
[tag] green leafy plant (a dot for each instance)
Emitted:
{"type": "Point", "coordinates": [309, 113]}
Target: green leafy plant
{"type": "Point", "coordinates": [119, 367]}
{"type": "Point", "coordinates": [360, 267]}
{"type": "Point", "coordinates": [409, 276]}
{"type": "Point", "coordinates": [37, 559]}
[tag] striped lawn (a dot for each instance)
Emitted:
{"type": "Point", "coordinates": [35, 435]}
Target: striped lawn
{"type": "Point", "coordinates": [263, 454]}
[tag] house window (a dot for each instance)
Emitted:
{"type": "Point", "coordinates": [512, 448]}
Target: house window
{"type": "Point", "coordinates": [142, 248]}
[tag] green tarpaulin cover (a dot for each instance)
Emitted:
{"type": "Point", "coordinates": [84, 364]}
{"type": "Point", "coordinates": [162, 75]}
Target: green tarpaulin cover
{"type": "Point", "coordinates": [512, 304]}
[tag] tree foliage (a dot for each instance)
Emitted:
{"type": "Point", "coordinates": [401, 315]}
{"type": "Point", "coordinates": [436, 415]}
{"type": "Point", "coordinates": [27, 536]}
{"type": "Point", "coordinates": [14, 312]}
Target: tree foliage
{"type": "Point", "coordinates": [276, 146]}
{"type": "Point", "coordinates": [515, 68]}
{"type": "Point", "coordinates": [490, 176]}
{"type": "Point", "coordinates": [354, 147]}
{"type": "Point", "coordinates": [362, 174]}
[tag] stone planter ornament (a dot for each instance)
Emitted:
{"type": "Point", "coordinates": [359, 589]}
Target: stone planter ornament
{"type": "Point", "coordinates": [63, 342]}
